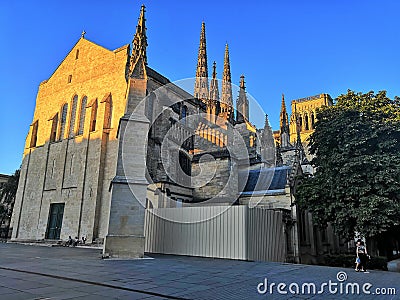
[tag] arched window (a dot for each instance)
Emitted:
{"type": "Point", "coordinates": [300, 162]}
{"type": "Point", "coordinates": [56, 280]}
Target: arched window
{"type": "Point", "coordinates": [73, 116]}
{"type": "Point", "coordinates": [300, 123]}
{"type": "Point", "coordinates": [93, 116]}
{"type": "Point", "coordinates": [35, 128]}
{"type": "Point", "coordinates": [306, 122]}
{"type": "Point", "coordinates": [312, 120]}
{"type": "Point", "coordinates": [108, 114]}
{"type": "Point", "coordinates": [82, 113]}
{"type": "Point", "coordinates": [54, 124]}
{"type": "Point", "coordinates": [184, 163]}
{"type": "Point", "coordinates": [183, 114]}
{"type": "Point", "coordinates": [64, 112]}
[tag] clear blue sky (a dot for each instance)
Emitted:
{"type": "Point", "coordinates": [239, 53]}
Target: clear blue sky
{"type": "Point", "coordinates": [300, 48]}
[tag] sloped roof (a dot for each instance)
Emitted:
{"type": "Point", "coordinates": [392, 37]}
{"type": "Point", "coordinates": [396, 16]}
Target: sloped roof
{"type": "Point", "coordinates": [265, 179]}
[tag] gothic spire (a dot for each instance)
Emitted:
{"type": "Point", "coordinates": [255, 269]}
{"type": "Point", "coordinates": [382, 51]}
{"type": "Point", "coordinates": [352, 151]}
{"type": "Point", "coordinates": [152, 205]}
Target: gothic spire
{"type": "Point", "coordinates": [268, 155]}
{"type": "Point", "coordinates": [266, 122]}
{"type": "Point", "coordinates": [284, 125]}
{"type": "Point", "coordinates": [138, 61]}
{"type": "Point", "coordinates": [226, 97]}
{"type": "Point", "coordinates": [284, 115]}
{"type": "Point", "coordinates": [226, 79]}
{"type": "Point", "coordinates": [214, 92]}
{"type": "Point", "coordinates": [267, 137]}
{"type": "Point", "coordinates": [201, 85]}
{"type": "Point", "coordinates": [242, 103]}
{"type": "Point", "coordinates": [213, 101]}
{"type": "Point", "coordinates": [227, 65]}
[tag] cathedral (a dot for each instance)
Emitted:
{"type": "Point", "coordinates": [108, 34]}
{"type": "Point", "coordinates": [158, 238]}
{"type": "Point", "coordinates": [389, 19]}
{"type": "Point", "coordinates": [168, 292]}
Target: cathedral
{"type": "Point", "coordinates": [111, 138]}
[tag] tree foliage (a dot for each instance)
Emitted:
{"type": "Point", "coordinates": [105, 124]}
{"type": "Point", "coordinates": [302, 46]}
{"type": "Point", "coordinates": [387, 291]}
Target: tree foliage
{"type": "Point", "coordinates": [8, 192]}
{"type": "Point", "coordinates": [356, 148]}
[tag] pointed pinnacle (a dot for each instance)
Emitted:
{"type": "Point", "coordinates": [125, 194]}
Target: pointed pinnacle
{"type": "Point", "coordinates": [214, 74]}
{"type": "Point", "coordinates": [139, 42]}
{"type": "Point", "coordinates": [203, 31]}
{"type": "Point", "coordinates": [226, 57]}
{"type": "Point", "coordinates": [227, 68]}
{"type": "Point", "coordinates": [202, 69]}
{"type": "Point", "coordinates": [142, 18]}
{"type": "Point", "coordinates": [201, 90]}
{"type": "Point", "coordinates": [242, 82]}
{"type": "Point", "coordinates": [283, 106]}
{"type": "Point", "coordinates": [266, 121]}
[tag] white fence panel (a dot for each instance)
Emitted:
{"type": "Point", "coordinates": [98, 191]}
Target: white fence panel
{"type": "Point", "coordinates": [235, 232]}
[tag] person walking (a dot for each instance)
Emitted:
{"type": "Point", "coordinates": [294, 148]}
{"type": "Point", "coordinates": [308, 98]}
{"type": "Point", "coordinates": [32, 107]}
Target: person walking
{"type": "Point", "coordinates": [362, 256]}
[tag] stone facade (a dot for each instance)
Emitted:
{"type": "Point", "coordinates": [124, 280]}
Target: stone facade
{"type": "Point", "coordinates": [76, 165]}
{"type": "Point", "coordinates": [304, 110]}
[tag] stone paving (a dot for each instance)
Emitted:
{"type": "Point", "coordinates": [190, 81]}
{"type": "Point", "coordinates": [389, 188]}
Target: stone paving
{"type": "Point", "coordinates": [37, 272]}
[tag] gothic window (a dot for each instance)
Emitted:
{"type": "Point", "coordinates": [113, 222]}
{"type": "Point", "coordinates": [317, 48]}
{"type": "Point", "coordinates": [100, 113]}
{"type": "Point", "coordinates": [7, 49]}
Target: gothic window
{"type": "Point", "coordinates": [184, 162]}
{"type": "Point", "coordinates": [183, 114]}
{"type": "Point", "coordinates": [69, 78]}
{"type": "Point", "coordinates": [108, 114]}
{"type": "Point", "coordinates": [203, 85]}
{"type": "Point", "coordinates": [184, 169]}
{"type": "Point", "coordinates": [54, 124]}
{"type": "Point", "coordinates": [93, 116]}
{"type": "Point", "coordinates": [64, 112]}
{"type": "Point", "coordinates": [82, 113]}
{"type": "Point", "coordinates": [73, 116]}
{"type": "Point", "coordinates": [306, 122]}
{"type": "Point", "coordinates": [77, 54]}
{"type": "Point", "coordinates": [300, 123]}
{"type": "Point", "coordinates": [35, 127]}
{"type": "Point", "coordinates": [312, 120]}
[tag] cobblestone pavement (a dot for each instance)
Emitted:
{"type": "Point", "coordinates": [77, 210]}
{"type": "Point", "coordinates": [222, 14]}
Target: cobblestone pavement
{"type": "Point", "coordinates": [37, 272]}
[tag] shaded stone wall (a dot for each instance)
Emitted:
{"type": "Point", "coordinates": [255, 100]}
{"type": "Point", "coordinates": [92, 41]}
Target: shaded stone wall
{"type": "Point", "coordinates": [211, 179]}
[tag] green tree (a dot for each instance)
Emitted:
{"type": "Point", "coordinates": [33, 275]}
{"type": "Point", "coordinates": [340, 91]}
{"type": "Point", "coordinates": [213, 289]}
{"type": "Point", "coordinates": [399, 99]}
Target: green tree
{"type": "Point", "coordinates": [356, 148]}
{"type": "Point", "coordinates": [8, 191]}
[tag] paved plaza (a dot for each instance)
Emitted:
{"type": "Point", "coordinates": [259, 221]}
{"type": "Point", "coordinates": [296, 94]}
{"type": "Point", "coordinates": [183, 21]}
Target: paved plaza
{"type": "Point", "coordinates": [38, 272]}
